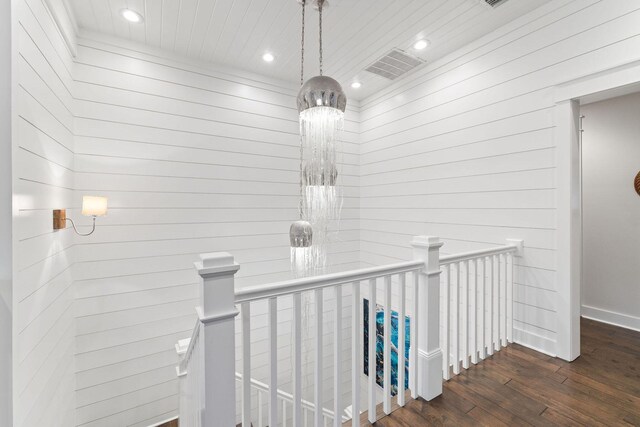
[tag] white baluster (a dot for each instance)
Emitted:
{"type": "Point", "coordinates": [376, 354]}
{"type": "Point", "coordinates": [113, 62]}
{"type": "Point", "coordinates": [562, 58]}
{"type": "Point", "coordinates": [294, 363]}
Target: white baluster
{"type": "Point", "coordinates": [503, 284]}
{"type": "Point", "coordinates": [260, 410]}
{"type": "Point", "coordinates": [356, 332]}
{"type": "Point", "coordinates": [246, 363]}
{"type": "Point", "coordinates": [297, 359]}
{"type": "Point", "coordinates": [465, 313]}
{"type": "Point", "coordinates": [273, 361]}
{"type": "Point", "coordinates": [337, 360]}
{"type": "Point", "coordinates": [446, 336]}
{"type": "Point", "coordinates": [510, 297]}
{"type": "Point", "coordinates": [372, 350]}
{"type": "Point", "coordinates": [413, 351]}
{"type": "Point", "coordinates": [483, 297]}
{"type": "Point", "coordinates": [319, 354]}
{"type": "Point", "coordinates": [455, 308]}
{"type": "Point", "coordinates": [473, 289]}
{"type": "Point", "coordinates": [510, 282]}
{"type": "Point", "coordinates": [401, 339]}
{"type": "Point", "coordinates": [490, 334]}
{"type": "Point", "coordinates": [284, 413]}
{"type": "Point", "coordinates": [386, 370]}
{"type": "Point", "coordinates": [496, 333]}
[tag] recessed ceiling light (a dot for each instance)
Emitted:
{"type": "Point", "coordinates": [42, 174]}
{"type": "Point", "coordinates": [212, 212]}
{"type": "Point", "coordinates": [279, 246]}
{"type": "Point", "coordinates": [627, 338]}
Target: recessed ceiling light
{"type": "Point", "coordinates": [420, 44]}
{"type": "Point", "coordinates": [356, 85]}
{"type": "Point", "coordinates": [268, 57]}
{"type": "Point", "coordinates": [131, 15]}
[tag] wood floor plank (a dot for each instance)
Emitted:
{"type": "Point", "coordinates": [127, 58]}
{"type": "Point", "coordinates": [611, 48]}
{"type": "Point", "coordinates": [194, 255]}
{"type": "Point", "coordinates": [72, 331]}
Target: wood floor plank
{"type": "Point", "coordinates": [517, 403]}
{"type": "Point", "coordinates": [559, 419]}
{"type": "Point", "coordinates": [565, 410]}
{"type": "Point", "coordinates": [499, 414]}
{"type": "Point", "coordinates": [518, 386]}
{"type": "Point", "coordinates": [624, 398]}
{"type": "Point", "coordinates": [486, 419]}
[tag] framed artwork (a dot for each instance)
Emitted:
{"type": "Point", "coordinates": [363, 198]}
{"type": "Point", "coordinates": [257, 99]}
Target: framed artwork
{"type": "Point", "coordinates": [395, 324]}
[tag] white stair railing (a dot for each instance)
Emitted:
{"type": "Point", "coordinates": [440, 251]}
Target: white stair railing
{"type": "Point", "coordinates": [285, 402]}
{"type": "Point", "coordinates": [209, 399]}
{"type": "Point", "coordinates": [477, 315]}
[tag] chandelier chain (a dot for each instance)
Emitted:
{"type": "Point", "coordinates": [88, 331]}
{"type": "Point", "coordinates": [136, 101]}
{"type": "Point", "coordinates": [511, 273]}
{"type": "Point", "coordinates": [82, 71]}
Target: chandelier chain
{"type": "Point", "coordinates": [304, 3]}
{"type": "Point", "coordinates": [300, 205]}
{"type": "Point", "coordinates": [320, 2]}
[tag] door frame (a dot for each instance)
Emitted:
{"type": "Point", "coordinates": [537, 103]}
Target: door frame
{"type": "Point", "coordinates": [607, 83]}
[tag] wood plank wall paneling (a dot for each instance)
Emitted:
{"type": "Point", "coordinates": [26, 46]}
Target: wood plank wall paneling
{"type": "Point", "coordinates": [197, 159]}
{"type": "Point", "coordinates": [193, 160]}
{"type": "Point", "coordinates": [43, 321]}
{"type": "Point", "coordinates": [463, 149]}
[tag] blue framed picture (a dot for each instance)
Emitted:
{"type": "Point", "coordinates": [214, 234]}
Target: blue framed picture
{"type": "Point", "coordinates": [395, 324]}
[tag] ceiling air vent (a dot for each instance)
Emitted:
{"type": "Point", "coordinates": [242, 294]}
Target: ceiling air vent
{"type": "Point", "coordinates": [494, 3]}
{"type": "Point", "coordinates": [394, 64]}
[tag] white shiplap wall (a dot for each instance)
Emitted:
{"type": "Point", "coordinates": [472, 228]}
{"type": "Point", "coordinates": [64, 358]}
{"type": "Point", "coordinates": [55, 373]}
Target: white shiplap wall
{"type": "Point", "coordinates": [193, 159]}
{"type": "Point", "coordinates": [6, 218]}
{"type": "Point", "coordinates": [463, 149]}
{"type": "Point", "coordinates": [43, 323]}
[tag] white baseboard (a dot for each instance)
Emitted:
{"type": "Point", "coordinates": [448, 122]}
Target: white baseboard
{"type": "Point", "coordinates": [535, 342]}
{"type": "Point", "coordinates": [611, 317]}
{"type": "Point", "coordinates": [163, 422]}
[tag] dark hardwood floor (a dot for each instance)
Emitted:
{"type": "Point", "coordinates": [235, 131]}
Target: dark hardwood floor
{"type": "Point", "coordinates": [519, 386]}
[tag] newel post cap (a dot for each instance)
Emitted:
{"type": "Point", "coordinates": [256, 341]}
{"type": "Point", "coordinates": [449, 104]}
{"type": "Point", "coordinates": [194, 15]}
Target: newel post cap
{"type": "Point", "coordinates": [519, 243]}
{"type": "Point", "coordinates": [426, 242]}
{"type": "Point", "coordinates": [216, 263]}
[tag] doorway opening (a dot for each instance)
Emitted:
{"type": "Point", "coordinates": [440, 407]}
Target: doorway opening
{"type": "Point", "coordinates": [570, 96]}
{"type": "Point", "coordinates": [610, 162]}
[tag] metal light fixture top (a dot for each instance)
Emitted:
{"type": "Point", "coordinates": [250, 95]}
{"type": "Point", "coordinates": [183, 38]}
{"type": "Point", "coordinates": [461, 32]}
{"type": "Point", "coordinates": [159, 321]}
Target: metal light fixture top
{"type": "Point", "coordinates": [319, 91]}
{"type": "Point", "coordinates": [301, 234]}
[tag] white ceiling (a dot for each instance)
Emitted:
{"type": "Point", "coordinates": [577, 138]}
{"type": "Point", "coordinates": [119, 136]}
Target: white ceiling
{"type": "Point", "coordinates": [237, 33]}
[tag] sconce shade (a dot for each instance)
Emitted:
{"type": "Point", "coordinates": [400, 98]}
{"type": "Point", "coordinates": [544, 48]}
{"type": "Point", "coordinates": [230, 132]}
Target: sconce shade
{"type": "Point", "coordinates": [94, 206]}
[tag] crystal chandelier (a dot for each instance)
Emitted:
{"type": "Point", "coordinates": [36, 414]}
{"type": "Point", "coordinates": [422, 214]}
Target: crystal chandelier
{"type": "Point", "coordinates": [321, 106]}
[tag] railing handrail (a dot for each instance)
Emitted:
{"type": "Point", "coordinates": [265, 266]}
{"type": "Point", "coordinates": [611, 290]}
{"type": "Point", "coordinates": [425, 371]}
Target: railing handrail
{"type": "Point", "coordinates": [463, 256]}
{"type": "Point", "coordinates": [287, 396]}
{"type": "Point", "coordinates": [187, 354]}
{"type": "Point", "coordinates": [288, 287]}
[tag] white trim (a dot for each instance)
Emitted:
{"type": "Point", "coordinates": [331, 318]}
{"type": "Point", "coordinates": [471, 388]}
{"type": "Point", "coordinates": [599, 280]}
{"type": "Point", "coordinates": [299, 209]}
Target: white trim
{"type": "Point", "coordinates": [163, 422]}
{"type": "Point", "coordinates": [568, 235]}
{"type": "Point", "coordinates": [611, 317]}
{"type": "Point", "coordinates": [464, 256]}
{"type": "Point", "coordinates": [216, 317]}
{"type": "Point", "coordinates": [65, 24]}
{"type": "Point", "coordinates": [72, 17]}
{"type": "Point", "coordinates": [601, 84]}
{"type": "Point", "coordinates": [272, 290]}
{"type": "Point", "coordinates": [534, 342]}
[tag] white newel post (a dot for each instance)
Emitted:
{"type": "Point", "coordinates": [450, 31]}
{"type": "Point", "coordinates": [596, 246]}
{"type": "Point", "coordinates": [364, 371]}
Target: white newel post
{"type": "Point", "coordinates": [217, 312]}
{"type": "Point", "coordinates": [427, 249]}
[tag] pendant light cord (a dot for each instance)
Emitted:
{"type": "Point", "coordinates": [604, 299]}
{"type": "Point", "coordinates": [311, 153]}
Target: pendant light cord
{"type": "Point", "coordinates": [320, 3]}
{"type": "Point", "coordinates": [304, 3]}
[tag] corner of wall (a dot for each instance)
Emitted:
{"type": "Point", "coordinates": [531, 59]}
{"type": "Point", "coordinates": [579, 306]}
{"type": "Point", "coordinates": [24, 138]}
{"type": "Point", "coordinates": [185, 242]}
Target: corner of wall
{"type": "Point", "coordinates": [6, 217]}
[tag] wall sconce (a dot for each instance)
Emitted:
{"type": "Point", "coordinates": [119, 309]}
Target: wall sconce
{"type": "Point", "coordinates": [91, 206]}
